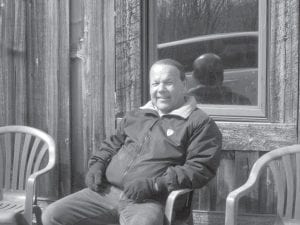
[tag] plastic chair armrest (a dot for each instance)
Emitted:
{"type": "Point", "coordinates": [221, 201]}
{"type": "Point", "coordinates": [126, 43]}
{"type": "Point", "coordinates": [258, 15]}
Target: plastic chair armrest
{"type": "Point", "coordinates": [30, 188]}
{"type": "Point", "coordinates": [234, 196]}
{"type": "Point", "coordinates": [169, 208]}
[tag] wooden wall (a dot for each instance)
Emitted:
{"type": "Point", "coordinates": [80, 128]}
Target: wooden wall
{"type": "Point", "coordinates": [57, 73]}
{"type": "Point", "coordinates": [70, 67]}
{"type": "Point", "coordinates": [244, 142]}
{"type": "Point", "coordinates": [92, 80]}
{"type": "Point", "coordinates": [34, 76]}
{"type": "Point", "coordinates": [128, 56]}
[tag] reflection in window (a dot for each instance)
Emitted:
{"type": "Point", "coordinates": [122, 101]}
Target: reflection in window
{"type": "Point", "coordinates": [187, 29]}
{"type": "Point", "coordinates": [208, 71]}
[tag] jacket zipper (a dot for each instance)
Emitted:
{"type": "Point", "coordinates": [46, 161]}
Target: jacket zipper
{"type": "Point", "coordinates": [147, 136]}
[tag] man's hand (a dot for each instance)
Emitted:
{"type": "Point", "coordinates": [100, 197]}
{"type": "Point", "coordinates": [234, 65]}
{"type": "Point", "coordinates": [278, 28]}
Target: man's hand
{"type": "Point", "coordinates": [94, 176]}
{"type": "Point", "coordinates": [139, 190]}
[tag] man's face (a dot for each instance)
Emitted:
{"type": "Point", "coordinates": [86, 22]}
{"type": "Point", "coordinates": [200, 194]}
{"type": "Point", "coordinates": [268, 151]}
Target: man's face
{"type": "Point", "coordinates": [167, 90]}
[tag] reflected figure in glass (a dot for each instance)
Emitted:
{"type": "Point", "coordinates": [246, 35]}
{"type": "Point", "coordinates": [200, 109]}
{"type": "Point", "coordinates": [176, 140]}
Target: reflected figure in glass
{"type": "Point", "coordinates": [208, 71]}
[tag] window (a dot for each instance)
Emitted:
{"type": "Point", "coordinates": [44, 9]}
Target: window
{"type": "Point", "coordinates": [234, 30]}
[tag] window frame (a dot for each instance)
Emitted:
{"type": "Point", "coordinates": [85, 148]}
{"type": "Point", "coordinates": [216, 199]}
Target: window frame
{"type": "Point", "coordinates": [281, 125]}
{"type": "Point", "coordinates": [218, 112]}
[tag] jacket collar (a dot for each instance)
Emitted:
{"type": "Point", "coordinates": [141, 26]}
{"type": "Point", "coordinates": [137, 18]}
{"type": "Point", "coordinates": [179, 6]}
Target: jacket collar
{"type": "Point", "coordinates": [184, 111]}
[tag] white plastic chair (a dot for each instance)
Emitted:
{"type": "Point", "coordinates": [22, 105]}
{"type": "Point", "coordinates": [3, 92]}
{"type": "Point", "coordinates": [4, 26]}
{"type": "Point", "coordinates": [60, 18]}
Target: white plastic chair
{"type": "Point", "coordinates": [178, 206]}
{"type": "Point", "coordinates": [23, 150]}
{"type": "Point", "coordinates": [285, 166]}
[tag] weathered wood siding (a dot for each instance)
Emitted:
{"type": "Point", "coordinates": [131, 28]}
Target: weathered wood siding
{"type": "Point", "coordinates": [92, 80]}
{"type": "Point", "coordinates": [283, 70]}
{"type": "Point", "coordinates": [247, 141]}
{"type": "Point", "coordinates": [244, 142]}
{"type": "Point", "coordinates": [34, 76]}
{"type": "Point", "coordinates": [41, 87]}
{"type": "Point", "coordinates": [73, 84]}
{"type": "Point", "coordinates": [128, 55]}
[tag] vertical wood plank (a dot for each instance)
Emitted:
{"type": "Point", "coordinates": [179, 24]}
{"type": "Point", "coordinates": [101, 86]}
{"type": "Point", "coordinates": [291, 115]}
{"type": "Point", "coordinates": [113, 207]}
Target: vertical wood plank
{"type": "Point", "coordinates": [109, 66]}
{"type": "Point", "coordinates": [47, 40]}
{"type": "Point", "coordinates": [2, 161]}
{"type": "Point", "coordinates": [12, 62]}
{"type": "Point", "coordinates": [297, 200]}
{"type": "Point", "coordinates": [42, 39]}
{"type": "Point", "coordinates": [291, 73]}
{"type": "Point", "coordinates": [92, 68]}
{"type": "Point", "coordinates": [76, 69]}
{"type": "Point", "coordinates": [267, 197]}
{"type": "Point", "coordinates": [49, 67]}
{"type": "Point", "coordinates": [19, 61]}
{"type": "Point", "coordinates": [128, 55]}
{"type": "Point", "coordinates": [203, 198]}
{"type": "Point", "coordinates": [63, 125]}
{"type": "Point", "coordinates": [283, 60]}
{"type": "Point", "coordinates": [244, 162]}
{"type": "Point", "coordinates": [225, 178]}
{"type": "Point", "coordinates": [277, 170]}
{"type": "Point", "coordinates": [213, 188]}
{"type": "Point", "coordinates": [90, 85]}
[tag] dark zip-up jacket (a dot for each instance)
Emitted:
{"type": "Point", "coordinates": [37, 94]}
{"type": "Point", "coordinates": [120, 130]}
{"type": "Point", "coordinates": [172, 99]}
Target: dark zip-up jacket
{"type": "Point", "coordinates": [183, 147]}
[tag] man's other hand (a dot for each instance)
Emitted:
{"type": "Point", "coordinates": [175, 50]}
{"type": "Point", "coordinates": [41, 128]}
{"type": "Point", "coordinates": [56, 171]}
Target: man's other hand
{"type": "Point", "coordinates": [139, 190]}
{"type": "Point", "coordinates": [94, 176]}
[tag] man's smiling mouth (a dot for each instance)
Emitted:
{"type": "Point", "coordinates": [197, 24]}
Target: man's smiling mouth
{"type": "Point", "coordinates": [163, 98]}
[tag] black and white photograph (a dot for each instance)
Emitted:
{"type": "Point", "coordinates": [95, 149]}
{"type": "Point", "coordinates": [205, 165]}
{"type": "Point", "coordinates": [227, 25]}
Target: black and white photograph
{"type": "Point", "coordinates": [149, 112]}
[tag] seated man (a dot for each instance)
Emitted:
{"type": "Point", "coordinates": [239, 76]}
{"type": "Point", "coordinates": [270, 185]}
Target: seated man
{"type": "Point", "coordinates": [209, 72]}
{"type": "Point", "coordinates": [165, 145]}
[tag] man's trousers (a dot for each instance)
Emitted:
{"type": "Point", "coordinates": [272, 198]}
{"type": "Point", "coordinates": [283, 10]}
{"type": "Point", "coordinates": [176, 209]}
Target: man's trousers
{"type": "Point", "coordinates": [111, 206]}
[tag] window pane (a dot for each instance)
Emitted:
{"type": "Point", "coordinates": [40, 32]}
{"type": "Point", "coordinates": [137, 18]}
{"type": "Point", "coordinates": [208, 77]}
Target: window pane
{"type": "Point", "coordinates": [236, 52]}
{"type": "Point", "coordinates": [181, 19]}
{"type": "Point", "coordinates": [187, 29]}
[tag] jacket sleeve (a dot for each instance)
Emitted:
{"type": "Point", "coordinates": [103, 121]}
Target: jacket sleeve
{"type": "Point", "coordinates": [110, 146]}
{"type": "Point", "coordinates": [202, 160]}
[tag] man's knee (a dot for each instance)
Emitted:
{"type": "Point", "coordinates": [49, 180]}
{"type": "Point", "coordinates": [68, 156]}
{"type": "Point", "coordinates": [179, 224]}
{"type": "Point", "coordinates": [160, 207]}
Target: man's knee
{"type": "Point", "coordinates": [52, 215]}
{"type": "Point", "coordinates": [150, 214]}
{"type": "Point", "coordinates": [146, 220]}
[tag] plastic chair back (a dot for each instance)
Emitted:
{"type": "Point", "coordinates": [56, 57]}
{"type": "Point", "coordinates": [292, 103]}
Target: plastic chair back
{"type": "Point", "coordinates": [285, 166]}
{"type": "Point", "coordinates": [25, 154]}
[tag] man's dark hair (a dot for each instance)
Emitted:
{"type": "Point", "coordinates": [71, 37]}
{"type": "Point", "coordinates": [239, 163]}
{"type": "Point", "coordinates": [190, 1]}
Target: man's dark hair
{"type": "Point", "coordinates": [172, 62]}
